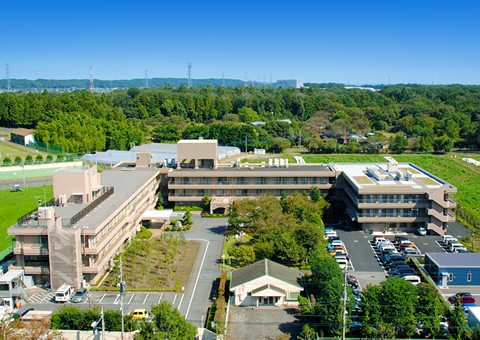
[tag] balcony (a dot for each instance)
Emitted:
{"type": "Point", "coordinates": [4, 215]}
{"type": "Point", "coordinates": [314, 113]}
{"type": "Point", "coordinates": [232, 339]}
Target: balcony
{"type": "Point", "coordinates": [392, 215]}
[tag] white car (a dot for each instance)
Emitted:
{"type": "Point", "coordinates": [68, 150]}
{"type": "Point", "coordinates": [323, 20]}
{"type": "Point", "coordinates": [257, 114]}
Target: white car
{"type": "Point", "coordinates": [329, 234]}
{"type": "Point", "coordinates": [422, 231]}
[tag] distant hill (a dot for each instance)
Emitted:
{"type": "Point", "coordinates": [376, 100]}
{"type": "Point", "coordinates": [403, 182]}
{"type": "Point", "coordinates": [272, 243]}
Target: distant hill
{"type": "Point", "coordinates": [24, 84]}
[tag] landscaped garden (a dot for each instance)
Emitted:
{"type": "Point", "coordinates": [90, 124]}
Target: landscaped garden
{"type": "Point", "coordinates": [159, 263]}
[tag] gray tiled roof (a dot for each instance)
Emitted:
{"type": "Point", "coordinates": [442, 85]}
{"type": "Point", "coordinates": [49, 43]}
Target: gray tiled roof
{"type": "Point", "coordinates": [262, 268]}
{"type": "Point", "coordinates": [448, 260]}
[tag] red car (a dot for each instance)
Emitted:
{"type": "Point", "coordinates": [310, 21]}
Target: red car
{"type": "Point", "coordinates": [464, 298]}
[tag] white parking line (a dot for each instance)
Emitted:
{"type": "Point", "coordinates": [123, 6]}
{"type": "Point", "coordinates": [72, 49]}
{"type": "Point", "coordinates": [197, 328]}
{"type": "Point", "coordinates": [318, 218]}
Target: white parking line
{"type": "Point", "coordinates": [174, 299]}
{"type": "Point", "coordinates": [88, 297]}
{"type": "Point", "coordinates": [47, 297]}
{"type": "Point", "coordinates": [116, 299]}
{"type": "Point", "coordinates": [145, 299]}
{"type": "Point", "coordinates": [102, 298]}
{"type": "Point", "coordinates": [159, 298]}
{"type": "Point", "coordinates": [131, 298]}
{"type": "Point", "coordinates": [180, 303]}
{"type": "Point", "coordinates": [354, 241]}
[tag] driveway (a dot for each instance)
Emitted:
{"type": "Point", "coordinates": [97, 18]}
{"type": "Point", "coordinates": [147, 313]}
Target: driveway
{"type": "Point", "coordinates": [259, 323]}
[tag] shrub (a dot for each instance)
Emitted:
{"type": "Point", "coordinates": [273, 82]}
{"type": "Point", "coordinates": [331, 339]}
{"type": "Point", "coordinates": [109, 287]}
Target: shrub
{"type": "Point", "coordinates": [174, 229]}
{"type": "Point", "coordinates": [39, 158]}
{"type": "Point", "coordinates": [49, 158]}
{"type": "Point", "coordinates": [221, 286]}
{"type": "Point", "coordinates": [29, 159]}
{"type": "Point", "coordinates": [60, 158]}
{"type": "Point", "coordinates": [167, 229]}
{"type": "Point", "coordinates": [160, 207]}
{"type": "Point", "coordinates": [7, 160]}
{"type": "Point", "coordinates": [18, 160]}
{"type": "Point", "coordinates": [188, 228]}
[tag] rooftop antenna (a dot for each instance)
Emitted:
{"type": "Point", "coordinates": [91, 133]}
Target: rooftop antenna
{"type": "Point", "coordinates": [91, 80]}
{"type": "Point", "coordinates": [8, 78]}
{"type": "Point", "coordinates": [189, 64]}
{"type": "Point", "coordinates": [146, 79]}
{"type": "Point", "coordinates": [223, 79]}
{"type": "Point", "coordinates": [246, 80]}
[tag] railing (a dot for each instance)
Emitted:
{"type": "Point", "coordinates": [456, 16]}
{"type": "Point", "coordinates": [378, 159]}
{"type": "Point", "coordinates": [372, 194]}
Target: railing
{"type": "Point", "coordinates": [450, 212]}
{"type": "Point", "coordinates": [451, 199]}
{"type": "Point", "coordinates": [32, 214]}
{"type": "Point", "coordinates": [84, 212]}
{"type": "Point", "coordinates": [405, 201]}
{"type": "Point", "coordinates": [36, 264]}
{"type": "Point", "coordinates": [407, 215]}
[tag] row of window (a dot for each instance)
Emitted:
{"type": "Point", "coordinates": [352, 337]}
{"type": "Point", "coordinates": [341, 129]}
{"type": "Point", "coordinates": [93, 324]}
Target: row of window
{"type": "Point", "coordinates": [238, 192]}
{"type": "Point", "coordinates": [392, 212]}
{"type": "Point", "coordinates": [389, 199]}
{"type": "Point", "coordinates": [247, 180]}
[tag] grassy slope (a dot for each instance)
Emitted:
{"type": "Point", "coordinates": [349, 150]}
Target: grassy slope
{"type": "Point", "coordinates": [466, 177]}
{"type": "Point", "coordinates": [15, 204]}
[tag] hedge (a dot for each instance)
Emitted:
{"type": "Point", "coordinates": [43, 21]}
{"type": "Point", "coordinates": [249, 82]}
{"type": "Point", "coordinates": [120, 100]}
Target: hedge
{"type": "Point", "coordinates": [215, 215]}
{"type": "Point", "coordinates": [175, 289]}
{"type": "Point", "coordinates": [187, 208]}
{"type": "Point", "coordinates": [221, 286]}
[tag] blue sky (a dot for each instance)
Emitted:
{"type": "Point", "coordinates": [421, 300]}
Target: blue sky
{"type": "Point", "coordinates": [333, 41]}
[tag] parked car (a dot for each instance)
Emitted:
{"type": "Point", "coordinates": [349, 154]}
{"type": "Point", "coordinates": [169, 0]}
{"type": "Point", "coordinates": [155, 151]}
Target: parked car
{"type": "Point", "coordinates": [410, 251]}
{"type": "Point", "coordinates": [352, 281]}
{"type": "Point", "coordinates": [464, 298]}
{"type": "Point", "coordinates": [64, 293]}
{"type": "Point", "coordinates": [466, 306]}
{"type": "Point", "coordinates": [139, 314]}
{"type": "Point", "coordinates": [402, 272]}
{"type": "Point", "coordinates": [329, 234]}
{"type": "Point", "coordinates": [80, 295]}
{"type": "Point", "coordinates": [333, 238]}
{"type": "Point", "coordinates": [422, 231]}
{"type": "Point", "coordinates": [414, 279]}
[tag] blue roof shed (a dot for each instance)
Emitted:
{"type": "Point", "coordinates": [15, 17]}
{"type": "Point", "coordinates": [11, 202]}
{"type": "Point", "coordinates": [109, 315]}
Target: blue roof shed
{"type": "Point", "coordinates": [453, 269]}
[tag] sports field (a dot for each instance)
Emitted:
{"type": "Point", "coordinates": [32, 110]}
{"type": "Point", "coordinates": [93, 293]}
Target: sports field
{"type": "Point", "coordinates": [15, 204]}
{"type": "Point", "coordinates": [18, 174]}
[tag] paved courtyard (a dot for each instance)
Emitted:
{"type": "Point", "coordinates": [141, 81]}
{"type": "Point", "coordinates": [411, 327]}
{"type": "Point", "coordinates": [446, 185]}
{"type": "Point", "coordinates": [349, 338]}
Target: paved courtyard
{"type": "Point", "coordinates": [258, 323]}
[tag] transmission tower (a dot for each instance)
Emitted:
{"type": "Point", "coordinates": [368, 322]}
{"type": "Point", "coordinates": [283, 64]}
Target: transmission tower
{"type": "Point", "coordinates": [146, 80]}
{"type": "Point", "coordinates": [189, 64]}
{"type": "Point", "coordinates": [91, 80]}
{"type": "Point", "coordinates": [253, 80]}
{"type": "Point", "coordinates": [223, 79]}
{"type": "Point", "coordinates": [8, 78]}
{"type": "Point", "coordinates": [246, 80]}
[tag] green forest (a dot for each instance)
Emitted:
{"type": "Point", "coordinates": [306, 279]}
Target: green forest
{"type": "Point", "coordinates": [414, 117]}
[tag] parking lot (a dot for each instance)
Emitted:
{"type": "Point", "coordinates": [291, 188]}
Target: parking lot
{"type": "Point", "coordinates": [131, 300]}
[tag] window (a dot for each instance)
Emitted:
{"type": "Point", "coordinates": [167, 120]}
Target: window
{"type": "Point", "coordinates": [292, 296]}
{"type": "Point", "coordinates": [323, 180]}
{"type": "Point", "coordinates": [393, 213]}
{"type": "Point", "coordinates": [370, 198]}
{"type": "Point", "coordinates": [416, 198]}
{"type": "Point", "coordinates": [469, 277]}
{"type": "Point", "coordinates": [414, 212]}
{"type": "Point", "coordinates": [223, 192]}
{"type": "Point", "coordinates": [261, 180]}
{"type": "Point", "coordinates": [242, 192]}
{"type": "Point", "coordinates": [203, 180]}
{"type": "Point", "coordinates": [260, 192]}
{"type": "Point", "coordinates": [203, 192]}
{"type": "Point", "coordinates": [184, 180]}
{"type": "Point", "coordinates": [450, 277]}
{"type": "Point", "coordinates": [280, 180]}
{"type": "Point", "coordinates": [382, 198]}
{"type": "Point", "coordinates": [184, 192]}
{"type": "Point", "coordinates": [43, 240]}
{"type": "Point", "coordinates": [294, 180]}
{"type": "Point", "coordinates": [223, 180]}
{"type": "Point", "coordinates": [381, 212]}
{"type": "Point", "coordinates": [393, 198]}
{"type": "Point", "coordinates": [304, 180]}
{"type": "Point", "coordinates": [278, 192]}
{"type": "Point", "coordinates": [241, 180]}
{"type": "Point", "coordinates": [313, 180]}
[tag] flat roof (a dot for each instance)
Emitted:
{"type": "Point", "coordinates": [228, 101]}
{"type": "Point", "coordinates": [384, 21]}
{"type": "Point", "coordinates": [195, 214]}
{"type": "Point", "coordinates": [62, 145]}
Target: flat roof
{"type": "Point", "coordinates": [357, 173]}
{"type": "Point", "coordinates": [10, 275]}
{"type": "Point", "coordinates": [266, 168]}
{"type": "Point", "coordinates": [197, 141]}
{"type": "Point", "coordinates": [459, 260]}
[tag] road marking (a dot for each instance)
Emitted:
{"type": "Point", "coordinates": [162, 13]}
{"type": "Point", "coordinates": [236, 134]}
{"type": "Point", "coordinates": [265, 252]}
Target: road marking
{"type": "Point", "coordinates": [102, 298]}
{"type": "Point", "coordinates": [145, 299]}
{"type": "Point", "coordinates": [174, 299]}
{"type": "Point", "coordinates": [425, 244]}
{"type": "Point", "coordinates": [355, 241]}
{"type": "Point", "coordinates": [47, 297]}
{"type": "Point", "coordinates": [159, 298]}
{"type": "Point", "coordinates": [88, 297]}
{"type": "Point", "coordinates": [116, 299]}
{"type": "Point", "coordinates": [198, 276]}
{"type": "Point", "coordinates": [180, 303]}
{"type": "Point", "coordinates": [131, 298]}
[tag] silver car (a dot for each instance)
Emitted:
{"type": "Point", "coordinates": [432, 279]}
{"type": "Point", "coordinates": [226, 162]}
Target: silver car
{"type": "Point", "coordinates": [80, 295]}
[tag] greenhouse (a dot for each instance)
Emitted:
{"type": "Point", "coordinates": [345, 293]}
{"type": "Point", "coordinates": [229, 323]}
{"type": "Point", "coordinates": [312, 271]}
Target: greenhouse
{"type": "Point", "coordinates": [160, 152]}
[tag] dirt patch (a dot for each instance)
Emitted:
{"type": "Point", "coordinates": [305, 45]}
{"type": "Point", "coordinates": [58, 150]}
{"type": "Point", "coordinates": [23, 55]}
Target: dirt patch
{"type": "Point", "coordinates": [158, 263]}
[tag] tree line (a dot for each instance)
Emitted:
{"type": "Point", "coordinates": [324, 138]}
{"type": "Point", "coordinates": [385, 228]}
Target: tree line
{"type": "Point", "coordinates": [439, 117]}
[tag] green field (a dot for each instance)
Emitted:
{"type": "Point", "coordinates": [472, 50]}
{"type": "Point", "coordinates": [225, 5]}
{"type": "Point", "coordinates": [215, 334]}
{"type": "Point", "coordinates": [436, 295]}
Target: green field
{"type": "Point", "coordinates": [15, 204]}
{"type": "Point", "coordinates": [12, 151]}
{"type": "Point", "coordinates": [18, 174]}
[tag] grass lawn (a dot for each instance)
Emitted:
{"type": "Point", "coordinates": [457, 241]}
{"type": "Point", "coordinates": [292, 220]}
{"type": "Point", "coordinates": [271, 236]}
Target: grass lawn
{"type": "Point", "coordinates": [15, 204]}
{"type": "Point", "coordinates": [12, 151]}
{"type": "Point", "coordinates": [230, 243]}
{"type": "Point", "coordinates": [31, 173]}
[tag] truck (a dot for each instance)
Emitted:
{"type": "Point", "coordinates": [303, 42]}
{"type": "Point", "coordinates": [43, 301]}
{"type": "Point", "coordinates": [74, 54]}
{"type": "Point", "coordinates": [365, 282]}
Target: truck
{"type": "Point", "coordinates": [64, 293]}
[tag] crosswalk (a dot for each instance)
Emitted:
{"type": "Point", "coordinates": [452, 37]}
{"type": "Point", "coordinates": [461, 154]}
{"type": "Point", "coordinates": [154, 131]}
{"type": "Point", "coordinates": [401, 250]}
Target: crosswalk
{"type": "Point", "coordinates": [41, 297]}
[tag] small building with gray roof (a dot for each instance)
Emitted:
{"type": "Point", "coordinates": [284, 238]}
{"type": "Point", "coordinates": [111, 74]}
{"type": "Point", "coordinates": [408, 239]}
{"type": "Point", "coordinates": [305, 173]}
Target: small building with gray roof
{"type": "Point", "coordinates": [453, 269]}
{"type": "Point", "coordinates": [266, 283]}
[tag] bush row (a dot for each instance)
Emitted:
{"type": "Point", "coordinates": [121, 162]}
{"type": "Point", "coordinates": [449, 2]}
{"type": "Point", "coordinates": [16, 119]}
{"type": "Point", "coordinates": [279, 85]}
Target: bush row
{"type": "Point", "coordinates": [187, 208]}
{"type": "Point", "coordinates": [221, 286]}
{"type": "Point", "coordinates": [177, 229]}
{"type": "Point", "coordinates": [214, 215]}
{"type": "Point", "coordinates": [29, 159]}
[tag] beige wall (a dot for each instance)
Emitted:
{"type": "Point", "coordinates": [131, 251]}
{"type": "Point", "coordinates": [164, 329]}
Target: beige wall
{"type": "Point", "coordinates": [75, 181]}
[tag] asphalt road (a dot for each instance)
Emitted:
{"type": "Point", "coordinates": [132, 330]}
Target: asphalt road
{"type": "Point", "coordinates": [196, 300]}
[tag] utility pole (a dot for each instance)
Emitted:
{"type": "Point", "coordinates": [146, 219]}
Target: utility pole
{"type": "Point", "coordinates": [122, 287]}
{"type": "Point", "coordinates": [103, 324]}
{"type": "Point", "coordinates": [246, 153]}
{"type": "Point", "coordinates": [300, 142]}
{"type": "Point", "coordinates": [344, 302]}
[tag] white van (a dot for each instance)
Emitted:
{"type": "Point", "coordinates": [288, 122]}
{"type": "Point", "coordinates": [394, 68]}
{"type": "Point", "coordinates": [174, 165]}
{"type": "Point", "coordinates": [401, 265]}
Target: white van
{"type": "Point", "coordinates": [446, 237]}
{"type": "Point", "coordinates": [329, 234]}
{"type": "Point", "coordinates": [64, 293]}
{"type": "Point", "coordinates": [385, 246]}
{"type": "Point", "coordinates": [414, 279]}
{"type": "Point", "coordinates": [456, 245]}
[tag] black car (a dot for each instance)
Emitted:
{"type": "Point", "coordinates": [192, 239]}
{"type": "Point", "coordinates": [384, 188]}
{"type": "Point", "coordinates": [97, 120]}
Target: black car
{"type": "Point", "coordinates": [80, 295]}
{"type": "Point", "coordinates": [394, 263]}
{"type": "Point", "coordinates": [402, 272]}
{"type": "Point", "coordinates": [22, 311]}
{"type": "Point", "coordinates": [388, 259]}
